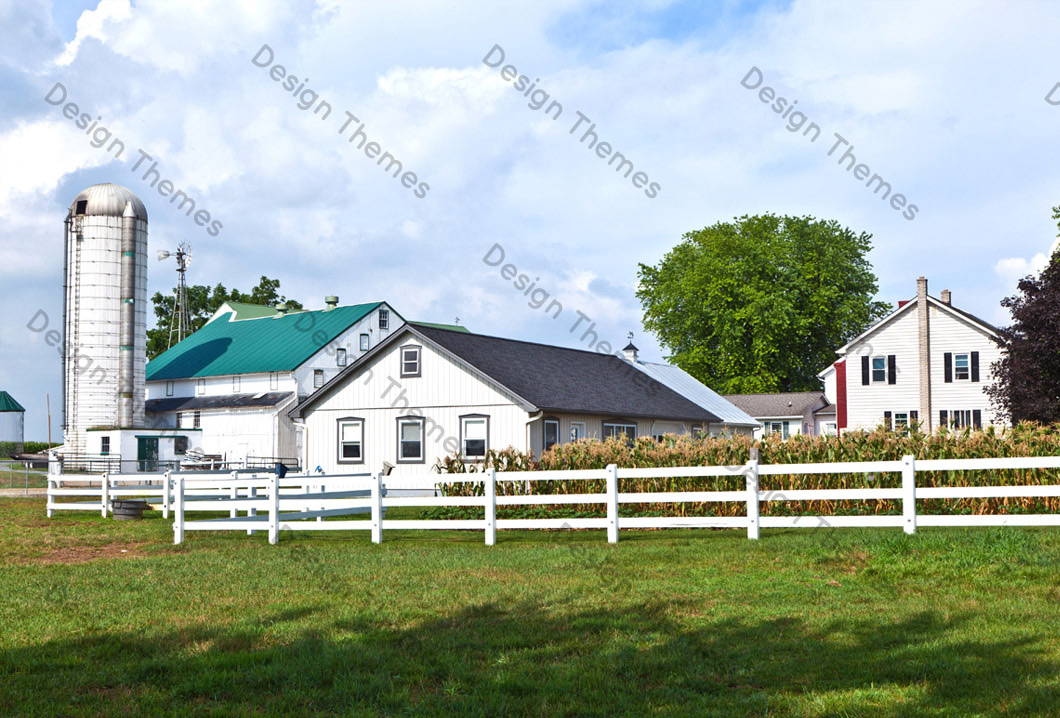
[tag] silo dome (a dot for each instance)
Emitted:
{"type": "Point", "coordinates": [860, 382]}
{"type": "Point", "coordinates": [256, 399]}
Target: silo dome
{"type": "Point", "coordinates": [107, 200]}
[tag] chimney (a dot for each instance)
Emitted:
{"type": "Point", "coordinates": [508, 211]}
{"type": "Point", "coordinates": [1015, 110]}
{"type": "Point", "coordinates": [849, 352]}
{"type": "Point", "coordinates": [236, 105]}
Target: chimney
{"type": "Point", "coordinates": [331, 302]}
{"type": "Point", "coordinates": [924, 355]}
{"type": "Point", "coordinates": [945, 297]}
{"type": "Point", "coordinates": [630, 352]}
{"type": "Point", "coordinates": [281, 308]}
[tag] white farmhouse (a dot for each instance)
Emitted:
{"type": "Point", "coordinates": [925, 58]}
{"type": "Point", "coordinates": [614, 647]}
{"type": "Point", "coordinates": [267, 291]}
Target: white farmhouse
{"type": "Point", "coordinates": [925, 362]}
{"type": "Point", "coordinates": [232, 381]}
{"type": "Point", "coordinates": [429, 392]}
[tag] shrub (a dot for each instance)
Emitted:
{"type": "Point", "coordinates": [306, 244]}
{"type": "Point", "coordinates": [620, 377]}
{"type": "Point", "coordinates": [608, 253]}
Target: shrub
{"type": "Point", "coordinates": [1026, 439]}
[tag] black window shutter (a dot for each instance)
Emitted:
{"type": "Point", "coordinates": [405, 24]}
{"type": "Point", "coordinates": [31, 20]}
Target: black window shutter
{"type": "Point", "coordinates": [887, 420]}
{"type": "Point", "coordinates": [947, 359]}
{"type": "Point", "coordinates": [977, 419]}
{"type": "Point", "coordinates": [943, 418]}
{"type": "Point", "coordinates": [864, 371]}
{"type": "Point", "coordinates": [975, 366]}
{"type": "Point", "coordinates": [892, 369]}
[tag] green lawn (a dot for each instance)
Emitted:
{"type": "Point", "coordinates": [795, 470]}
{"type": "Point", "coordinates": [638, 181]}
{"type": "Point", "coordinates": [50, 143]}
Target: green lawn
{"type": "Point", "coordinates": [962, 622]}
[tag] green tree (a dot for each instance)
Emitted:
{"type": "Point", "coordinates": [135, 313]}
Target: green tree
{"type": "Point", "coordinates": [203, 302]}
{"type": "Point", "coordinates": [760, 304]}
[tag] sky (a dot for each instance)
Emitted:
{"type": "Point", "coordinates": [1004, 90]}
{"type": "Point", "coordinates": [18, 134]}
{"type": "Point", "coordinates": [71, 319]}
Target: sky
{"type": "Point", "coordinates": [945, 101]}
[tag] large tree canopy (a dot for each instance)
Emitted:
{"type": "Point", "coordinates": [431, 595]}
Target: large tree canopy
{"type": "Point", "coordinates": [761, 303]}
{"type": "Point", "coordinates": [1026, 383]}
{"type": "Point", "coordinates": [202, 303]}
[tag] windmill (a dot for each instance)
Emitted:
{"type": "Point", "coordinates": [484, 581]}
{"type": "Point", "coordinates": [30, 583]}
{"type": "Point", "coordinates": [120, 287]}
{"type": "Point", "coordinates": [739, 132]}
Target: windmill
{"type": "Point", "coordinates": [180, 320]}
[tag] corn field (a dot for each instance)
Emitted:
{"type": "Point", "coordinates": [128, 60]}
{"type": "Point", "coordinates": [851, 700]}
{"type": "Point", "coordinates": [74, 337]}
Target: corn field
{"type": "Point", "coordinates": [880, 445]}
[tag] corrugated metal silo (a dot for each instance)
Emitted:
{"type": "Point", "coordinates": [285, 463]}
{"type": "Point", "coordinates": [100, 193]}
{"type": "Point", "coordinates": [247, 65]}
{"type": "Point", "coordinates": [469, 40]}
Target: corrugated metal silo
{"type": "Point", "coordinates": [105, 314]}
{"type": "Point", "coordinates": [12, 417]}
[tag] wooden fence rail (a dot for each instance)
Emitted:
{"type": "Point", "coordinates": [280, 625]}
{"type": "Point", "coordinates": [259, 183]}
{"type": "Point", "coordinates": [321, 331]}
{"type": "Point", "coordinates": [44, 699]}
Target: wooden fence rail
{"type": "Point", "coordinates": [295, 504]}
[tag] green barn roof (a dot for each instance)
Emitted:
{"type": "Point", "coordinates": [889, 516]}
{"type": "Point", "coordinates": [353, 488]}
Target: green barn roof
{"type": "Point", "coordinates": [282, 342]}
{"type": "Point", "coordinates": [8, 403]}
{"type": "Point", "coordinates": [243, 310]}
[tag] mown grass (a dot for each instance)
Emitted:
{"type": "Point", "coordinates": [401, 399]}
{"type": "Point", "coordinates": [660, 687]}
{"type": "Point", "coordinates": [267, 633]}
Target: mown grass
{"type": "Point", "coordinates": [950, 622]}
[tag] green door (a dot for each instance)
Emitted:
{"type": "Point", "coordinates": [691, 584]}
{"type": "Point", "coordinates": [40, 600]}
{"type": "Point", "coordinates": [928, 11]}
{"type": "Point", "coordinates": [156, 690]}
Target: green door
{"type": "Point", "coordinates": [147, 453]}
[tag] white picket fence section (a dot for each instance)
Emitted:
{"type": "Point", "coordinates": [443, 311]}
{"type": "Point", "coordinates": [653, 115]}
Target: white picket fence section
{"type": "Point", "coordinates": [301, 503]}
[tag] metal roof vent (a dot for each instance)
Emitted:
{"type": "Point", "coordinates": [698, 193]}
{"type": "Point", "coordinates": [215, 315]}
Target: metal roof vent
{"type": "Point", "coordinates": [281, 308]}
{"type": "Point", "coordinates": [331, 302]}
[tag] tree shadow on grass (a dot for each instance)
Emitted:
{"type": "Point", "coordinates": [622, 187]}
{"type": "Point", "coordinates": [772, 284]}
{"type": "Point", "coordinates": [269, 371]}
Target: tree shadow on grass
{"type": "Point", "coordinates": [489, 660]}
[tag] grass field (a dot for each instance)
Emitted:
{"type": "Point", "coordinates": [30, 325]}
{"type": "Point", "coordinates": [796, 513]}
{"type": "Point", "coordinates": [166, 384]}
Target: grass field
{"type": "Point", "coordinates": [102, 618]}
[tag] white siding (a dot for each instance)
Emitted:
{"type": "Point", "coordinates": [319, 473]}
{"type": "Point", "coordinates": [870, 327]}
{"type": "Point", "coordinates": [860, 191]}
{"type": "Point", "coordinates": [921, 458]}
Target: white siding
{"type": "Point", "coordinates": [326, 357]}
{"type": "Point", "coordinates": [378, 395]}
{"type": "Point", "coordinates": [958, 336]}
{"type": "Point", "coordinates": [866, 404]}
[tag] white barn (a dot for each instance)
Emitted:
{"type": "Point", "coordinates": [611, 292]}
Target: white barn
{"type": "Point", "coordinates": [427, 393]}
{"type": "Point", "coordinates": [232, 382]}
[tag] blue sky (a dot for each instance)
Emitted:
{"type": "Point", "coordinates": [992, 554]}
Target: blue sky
{"type": "Point", "coordinates": [944, 100]}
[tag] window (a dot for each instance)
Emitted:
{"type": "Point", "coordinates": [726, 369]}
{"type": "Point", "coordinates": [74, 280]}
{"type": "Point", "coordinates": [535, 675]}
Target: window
{"type": "Point", "coordinates": [340, 357]}
{"type": "Point", "coordinates": [169, 388]}
{"type": "Point", "coordinates": [778, 427]}
{"type": "Point", "coordinates": [274, 381]}
{"type": "Point", "coordinates": [364, 342]}
{"type": "Point", "coordinates": [830, 428]}
{"type": "Point", "coordinates": [82, 206]}
{"type": "Point", "coordinates": [551, 433]}
{"type": "Point", "coordinates": [200, 387]}
{"type": "Point", "coordinates": [410, 360]}
{"type": "Point", "coordinates": [318, 378]}
{"type": "Point", "coordinates": [615, 429]}
{"type": "Point", "coordinates": [104, 445]}
{"type": "Point", "coordinates": [180, 420]}
{"type": "Point", "coordinates": [180, 445]}
{"type": "Point", "coordinates": [410, 440]}
{"type": "Point", "coordinates": [697, 431]}
{"type": "Point", "coordinates": [235, 383]}
{"type": "Point", "coordinates": [196, 420]}
{"type": "Point", "coordinates": [351, 441]}
{"type": "Point", "coordinates": [474, 436]}
{"type": "Point", "coordinates": [901, 422]}
{"type": "Point", "coordinates": [961, 367]}
{"type": "Point", "coordinates": [384, 318]}
{"type": "Point", "coordinates": [960, 419]}
{"type": "Point", "coordinates": [577, 430]}
{"type": "Point", "coordinates": [879, 369]}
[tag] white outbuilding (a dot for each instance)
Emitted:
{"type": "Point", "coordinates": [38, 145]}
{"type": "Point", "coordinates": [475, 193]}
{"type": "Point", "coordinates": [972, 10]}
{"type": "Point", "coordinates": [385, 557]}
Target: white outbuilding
{"type": "Point", "coordinates": [12, 423]}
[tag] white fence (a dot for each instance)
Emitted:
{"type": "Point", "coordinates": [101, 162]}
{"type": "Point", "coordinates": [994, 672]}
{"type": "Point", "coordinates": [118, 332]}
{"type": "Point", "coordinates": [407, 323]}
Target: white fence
{"type": "Point", "coordinates": [255, 500]}
{"type": "Point", "coordinates": [266, 499]}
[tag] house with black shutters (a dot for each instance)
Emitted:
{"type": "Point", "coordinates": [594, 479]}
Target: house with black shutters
{"type": "Point", "coordinates": [926, 362]}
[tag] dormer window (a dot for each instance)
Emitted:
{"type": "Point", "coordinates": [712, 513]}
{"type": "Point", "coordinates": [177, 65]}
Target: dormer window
{"type": "Point", "coordinates": [410, 361]}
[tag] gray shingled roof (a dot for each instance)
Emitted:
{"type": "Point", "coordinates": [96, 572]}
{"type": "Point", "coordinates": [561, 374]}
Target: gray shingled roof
{"type": "Point", "coordinates": [786, 404]}
{"type": "Point", "coordinates": [568, 380]}
{"type": "Point", "coordinates": [224, 401]}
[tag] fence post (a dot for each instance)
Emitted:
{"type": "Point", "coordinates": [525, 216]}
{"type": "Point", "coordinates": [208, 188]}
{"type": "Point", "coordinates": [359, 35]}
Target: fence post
{"type": "Point", "coordinates": [612, 503]}
{"type": "Point", "coordinates": [377, 508]}
{"type": "Point", "coordinates": [274, 510]}
{"type": "Point", "coordinates": [178, 523]}
{"type": "Point", "coordinates": [105, 493]}
{"type": "Point", "coordinates": [491, 506]}
{"type": "Point", "coordinates": [909, 494]}
{"type": "Point", "coordinates": [165, 494]}
{"type": "Point", "coordinates": [51, 498]}
{"type": "Point", "coordinates": [751, 474]}
{"type": "Point", "coordinates": [232, 494]}
{"type": "Point", "coordinates": [252, 494]}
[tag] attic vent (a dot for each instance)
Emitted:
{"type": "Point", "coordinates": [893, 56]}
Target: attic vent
{"type": "Point", "coordinates": [82, 206]}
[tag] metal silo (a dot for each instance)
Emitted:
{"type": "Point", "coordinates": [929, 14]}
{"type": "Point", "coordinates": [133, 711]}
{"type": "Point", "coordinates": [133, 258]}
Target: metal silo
{"type": "Point", "coordinates": [105, 315]}
{"type": "Point", "coordinates": [12, 419]}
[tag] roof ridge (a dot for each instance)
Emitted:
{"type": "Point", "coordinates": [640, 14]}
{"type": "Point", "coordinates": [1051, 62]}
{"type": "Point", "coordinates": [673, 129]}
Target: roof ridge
{"type": "Point", "coordinates": [518, 341]}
